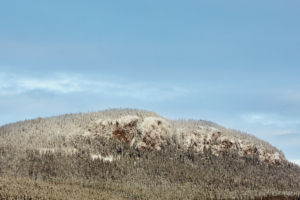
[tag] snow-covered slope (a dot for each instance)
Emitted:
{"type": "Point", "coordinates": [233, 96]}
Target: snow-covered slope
{"type": "Point", "coordinates": [152, 132]}
{"type": "Point", "coordinates": [140, 129]}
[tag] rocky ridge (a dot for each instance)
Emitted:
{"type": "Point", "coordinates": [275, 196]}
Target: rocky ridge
{"type": "Point", "coordinates": [151, 133]}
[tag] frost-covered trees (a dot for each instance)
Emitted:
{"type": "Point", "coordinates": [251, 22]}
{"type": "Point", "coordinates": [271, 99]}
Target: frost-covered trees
{"type": "Point", "coordinates": [136, 148]}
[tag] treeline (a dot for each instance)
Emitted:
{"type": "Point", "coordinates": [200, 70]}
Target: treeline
{"type": "Point", "coordinates": [166, 174]}
{"type": "Point", "coordinates": [49, 132]}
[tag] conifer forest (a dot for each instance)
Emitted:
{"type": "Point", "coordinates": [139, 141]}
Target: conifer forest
{"type": "Point", "coordinates": [138, 154]}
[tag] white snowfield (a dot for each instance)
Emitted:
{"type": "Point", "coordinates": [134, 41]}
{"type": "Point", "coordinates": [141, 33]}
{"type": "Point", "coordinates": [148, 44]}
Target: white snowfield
{"type": "Point", "coordinates": [151, 132]}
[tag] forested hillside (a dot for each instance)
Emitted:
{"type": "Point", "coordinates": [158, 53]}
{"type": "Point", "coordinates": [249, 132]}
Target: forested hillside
{"type": "Point", "coordinates": [138, 154]}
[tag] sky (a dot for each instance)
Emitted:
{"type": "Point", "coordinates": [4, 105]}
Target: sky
{"type": "Point", "coordinates": [233, 62]}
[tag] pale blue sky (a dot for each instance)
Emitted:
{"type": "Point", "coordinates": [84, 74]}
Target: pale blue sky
{"type": "Point", "coordinates": [235, 63]}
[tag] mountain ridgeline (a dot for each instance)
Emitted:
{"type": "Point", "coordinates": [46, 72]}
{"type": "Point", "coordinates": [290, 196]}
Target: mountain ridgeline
{"type": "Point", "coordinates": [137, 154]}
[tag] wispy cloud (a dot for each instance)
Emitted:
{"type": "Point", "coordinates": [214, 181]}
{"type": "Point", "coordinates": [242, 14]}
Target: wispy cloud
{"type": "Point", "coordinates": [13, 84]}
{"type": "Point", "coordinates": [273, 120]}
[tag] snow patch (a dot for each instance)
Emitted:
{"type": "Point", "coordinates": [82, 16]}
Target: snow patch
{"type": "Point", "coordinates": [100, 157]}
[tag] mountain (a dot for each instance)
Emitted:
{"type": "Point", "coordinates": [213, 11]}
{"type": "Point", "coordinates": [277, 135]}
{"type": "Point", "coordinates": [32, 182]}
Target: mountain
{"type": "Point", "coordinates": [139, 154]}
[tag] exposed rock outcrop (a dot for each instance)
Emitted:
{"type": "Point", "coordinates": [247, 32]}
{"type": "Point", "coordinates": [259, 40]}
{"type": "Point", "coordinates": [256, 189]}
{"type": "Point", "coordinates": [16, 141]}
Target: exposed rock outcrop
{"type": "Point", "coordinates": [152, 132]}
{"type": "Point", "coordinates": [146, 133]}
{"type": "Point", "coordinates": [125, 128]}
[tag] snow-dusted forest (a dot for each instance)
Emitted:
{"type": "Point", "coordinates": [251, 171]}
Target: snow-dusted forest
{"type": "Point", "coordinates": [141, 154]}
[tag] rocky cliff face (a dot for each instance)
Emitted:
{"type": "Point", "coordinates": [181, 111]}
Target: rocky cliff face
{"type": "Point", "coordinates": [150, 133]}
